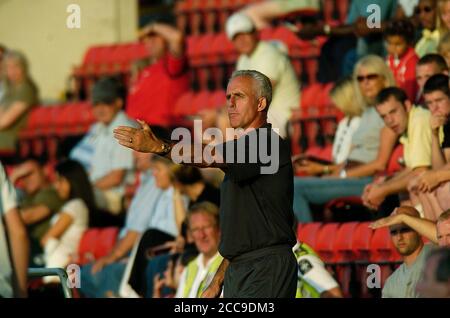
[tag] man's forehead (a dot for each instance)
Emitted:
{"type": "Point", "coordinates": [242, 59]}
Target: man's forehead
{"type": "Point", "coordinates": [240, 83]}
{"type": "Point", "coordinates": [444, 226]}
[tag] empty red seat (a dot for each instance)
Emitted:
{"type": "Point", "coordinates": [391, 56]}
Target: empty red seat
{"type": "Point", "coordinates": [361, 242]}
{"type": "Point", "coordinates": [382, 249]}
{"type": "Point", "coordinates": [394, 164]}
{"type": "Point", "coordinates": [217, 99]}
{"type": "Point", "coordinates": [183, 106]}
{"type": "Point", "coordinates": [201, 101]}
{"type": "Point", "coordinates": [308, 233]}
{"type": "Point", "coordinates": [106, 239]}
{"type": "Point", "coordinates": [86, 248]}
{"type": "Point", "coordinates": [344, 242]}
{"type": "Point", "coordinates": [326, 241]}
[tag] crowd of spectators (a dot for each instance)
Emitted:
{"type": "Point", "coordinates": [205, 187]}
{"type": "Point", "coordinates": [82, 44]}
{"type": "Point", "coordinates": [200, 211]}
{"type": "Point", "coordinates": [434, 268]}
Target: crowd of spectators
{"type": "Point", "coordinates": [392, 86]}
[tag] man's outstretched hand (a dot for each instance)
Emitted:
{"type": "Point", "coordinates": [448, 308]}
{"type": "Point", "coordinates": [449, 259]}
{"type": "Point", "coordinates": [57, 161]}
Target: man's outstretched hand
{"type": "Point", "coordinates": [142, 140]}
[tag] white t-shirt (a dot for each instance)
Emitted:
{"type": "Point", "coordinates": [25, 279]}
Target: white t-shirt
{"type": "Point", "coordinates": [8, 201]}
{"type": "Point", "coordinates": [57, 252]}
{"type": "Point", "coordinates": [269, 60]}
{"type": "Point", "coordinates": [343, 139]}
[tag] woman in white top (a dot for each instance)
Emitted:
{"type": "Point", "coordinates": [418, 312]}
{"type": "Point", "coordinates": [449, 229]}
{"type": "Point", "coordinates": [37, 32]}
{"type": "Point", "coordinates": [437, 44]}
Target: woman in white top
{"type": "Point", "coordinates": [69, 224]}
{"type": "Point", "coordinates": [344, 97]}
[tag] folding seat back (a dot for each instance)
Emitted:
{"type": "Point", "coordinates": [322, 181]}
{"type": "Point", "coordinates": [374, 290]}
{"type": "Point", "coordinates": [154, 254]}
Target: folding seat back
{"type": "Point", "coordinates": [105, 242]}
{"type": "Point", "coordinates": [381, 247]}
{"type": "Point", "coordinates": [361, 242]}
{"type": "Point", "coordinates": [344, 242]}
{"type": "Point", "coordinates": [86, 248]}
{"type": "Point", "coordinates": [326, 240]}
{"type": "Point", "coordinates": [308, 233]}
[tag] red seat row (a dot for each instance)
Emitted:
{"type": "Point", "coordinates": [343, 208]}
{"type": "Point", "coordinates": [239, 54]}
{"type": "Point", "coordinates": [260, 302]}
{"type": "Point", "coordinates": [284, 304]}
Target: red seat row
{"type": "Point", "coordinates": [58, 120]}
{"type": "Point", "coordinates": [110, 59]}
{"type": "Point", "coordinates": [191, 103]}
{"type": "Point", "coordinates": [96, 243]}
{"type": "Point", "coordinates": [348, 242]}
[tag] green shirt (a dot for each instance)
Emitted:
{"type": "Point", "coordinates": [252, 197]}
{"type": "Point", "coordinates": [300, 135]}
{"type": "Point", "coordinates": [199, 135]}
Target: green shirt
{"type": "Point", "coordinates": [49, 198]}
{"type": "Point", "coordinates": [25, 92]}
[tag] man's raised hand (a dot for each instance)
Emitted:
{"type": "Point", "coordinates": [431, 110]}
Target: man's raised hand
{"type": "Point", "coordinates": [142, 140]}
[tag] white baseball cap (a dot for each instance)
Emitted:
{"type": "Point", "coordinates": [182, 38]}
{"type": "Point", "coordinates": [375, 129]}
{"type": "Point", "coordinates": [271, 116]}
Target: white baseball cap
{"type": "Point", "coordinates": [238, 23]}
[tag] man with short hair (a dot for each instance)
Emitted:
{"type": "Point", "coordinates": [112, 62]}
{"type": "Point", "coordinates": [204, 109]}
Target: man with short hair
{"type": "Point", "coordinates": [413, 125]}
{"type": "Point", "coordinates": [435, 281]}
{"type": "Point", "coordinates": [108, 165]}
{"type": "Point", "coordinates": [40, 201]}
{"type": "Point", "coordinates": [431, 190]}
{"type": "Point", "coordinates": [264, 57]}
{"type": "Point", "coordinates": [203, 226]}
{"type": "Point", "coordinates": [437, 232]}
{"type": "Point", "coordinates": [429, 65]}
{"type": "Point", "coordinates": [409, 244]}
{"type": "Point", "coordinates": [256, 216]}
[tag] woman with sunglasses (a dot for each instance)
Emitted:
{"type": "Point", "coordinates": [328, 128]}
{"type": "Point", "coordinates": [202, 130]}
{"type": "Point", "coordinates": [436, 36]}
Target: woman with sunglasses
{"type": "Point", "coordinates": [426, 13]}
{"type": "Point", "coordinates": [372, 145]}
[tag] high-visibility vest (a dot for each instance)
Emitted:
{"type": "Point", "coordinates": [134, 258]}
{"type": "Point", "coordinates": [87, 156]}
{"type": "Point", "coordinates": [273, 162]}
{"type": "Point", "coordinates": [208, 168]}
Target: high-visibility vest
{"type": "Point", "coordinates": [192, 271]}
{"type": "Point", "coordinates": [305, 290]}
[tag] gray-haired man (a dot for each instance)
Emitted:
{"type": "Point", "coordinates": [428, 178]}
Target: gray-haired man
{"type": "Point", "coordinates": [256, 211]}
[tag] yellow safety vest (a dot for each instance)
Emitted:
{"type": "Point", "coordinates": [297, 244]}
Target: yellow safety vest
{"type": "Point", "coordinates": [305, 290]}
{"type": "Point", "coordinates": [192, 271]}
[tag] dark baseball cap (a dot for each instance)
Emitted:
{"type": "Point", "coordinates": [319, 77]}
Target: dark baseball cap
{"type": "Point", "coordinates": [106, 90]}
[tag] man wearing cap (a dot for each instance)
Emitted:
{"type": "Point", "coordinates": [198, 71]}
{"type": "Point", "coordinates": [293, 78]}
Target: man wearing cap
{"type": "Point", "coordinates": [106, 162]}
{"type": "Point", "coordinates": [268, 59]}
{"type": "Point", "coordinates": [402, 283]}
{"type": "Point", "coordinates": [158, 87]}
{"type": "Point", "coordinates": [256, 215]}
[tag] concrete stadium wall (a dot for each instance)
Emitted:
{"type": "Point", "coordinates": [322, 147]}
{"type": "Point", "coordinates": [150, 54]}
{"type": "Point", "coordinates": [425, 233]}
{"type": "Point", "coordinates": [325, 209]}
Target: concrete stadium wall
{"type": "Point", "coordinates": [38, 28]}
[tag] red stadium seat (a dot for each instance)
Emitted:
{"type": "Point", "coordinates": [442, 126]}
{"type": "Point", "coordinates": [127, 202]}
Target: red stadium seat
{"type": "Point", "coordinates": [217, 99]}
{"type": "Point", "coordinates": [381, 247]}
{"type": "Point", "coordinates": [361, 242]}
{"type": "Point", "coordinates": [308, 232]}
{"type": "Point", "coordinates": [86, 249]}
{"type": "Point", "coordinates": [326, 241]}
{"type": "Point", "coordinates": [183, 106]}
{"type": "Point", "coordinates": [344, 242]}
{"type": "Point", "coordinates": [394, 164]}
{"type": "Point", "coordinates": [106, 239]}
{"type": "Point", "coordinates": [201, 101]}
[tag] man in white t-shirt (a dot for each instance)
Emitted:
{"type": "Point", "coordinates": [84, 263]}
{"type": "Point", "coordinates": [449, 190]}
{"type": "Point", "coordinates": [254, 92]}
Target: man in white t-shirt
{"type": "Point", "coordinates": [268, 59]}
{"type": "Point", "coordinates": [13, 266]}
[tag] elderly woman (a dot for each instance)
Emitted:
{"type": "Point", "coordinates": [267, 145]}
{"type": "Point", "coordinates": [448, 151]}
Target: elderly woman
{"type": "Point", "coordinates": [19, 96]}
{"type": "Point", "coordinates": [371, 145]}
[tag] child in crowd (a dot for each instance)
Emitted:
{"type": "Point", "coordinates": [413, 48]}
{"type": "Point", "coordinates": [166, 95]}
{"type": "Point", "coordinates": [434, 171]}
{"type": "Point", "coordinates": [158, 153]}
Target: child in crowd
{"type": "Point", "coordinates": [402, 58]}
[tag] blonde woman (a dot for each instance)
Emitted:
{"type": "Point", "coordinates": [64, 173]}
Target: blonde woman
{"type": "Point", "coordinates": [371, 146]}
{"type": "Point", "coordinates": [444, 47]}
{"type": "Point", "coordinates": [19, 96]}
{"type": "Point", "coordinates": [443, 16]}
{"type": "Point", "coordinates": [343, 96]}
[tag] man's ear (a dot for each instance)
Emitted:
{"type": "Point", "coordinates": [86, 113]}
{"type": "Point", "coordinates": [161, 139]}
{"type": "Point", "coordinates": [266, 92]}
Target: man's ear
{"type": "Point", "coordinates": [262, 104]}
{"type": "Point", "coordinates": [118, 103]}
{"type": "Point", "coordinates": [408, 105]}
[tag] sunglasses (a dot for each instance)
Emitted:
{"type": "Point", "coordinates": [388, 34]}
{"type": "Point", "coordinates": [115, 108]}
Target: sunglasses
{"type": "Point", "coordinates": [426, 9]}
{"type": "Point", "coordinates": [400, 230]}
{"type": "Point", "coordinates": [370, 77]}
